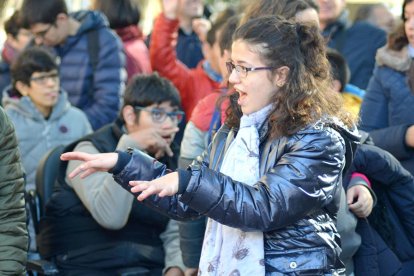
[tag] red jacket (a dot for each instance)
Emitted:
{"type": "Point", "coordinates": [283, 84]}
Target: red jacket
{"type": "Point", "coordinates": [203, 111]}
{"type": "Point", "coordinates": [192, 84]}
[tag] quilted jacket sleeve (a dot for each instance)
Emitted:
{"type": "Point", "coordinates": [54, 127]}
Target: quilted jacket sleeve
{"type": "Point", "coordinates": [144, 167]}
{"type": "Point", "coordinates": [13, 231]}
{"type": "Point", "coordinates": [302, 181]}
{"type": "Point", "coordinates": [164, 59]}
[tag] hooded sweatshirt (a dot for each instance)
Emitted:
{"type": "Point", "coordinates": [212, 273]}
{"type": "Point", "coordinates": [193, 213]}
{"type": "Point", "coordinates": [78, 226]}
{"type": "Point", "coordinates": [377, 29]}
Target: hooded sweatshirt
{"type": "Point", "coordinates": [37, 135]}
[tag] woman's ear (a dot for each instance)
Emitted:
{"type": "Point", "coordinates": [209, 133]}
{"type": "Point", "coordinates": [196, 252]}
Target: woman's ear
{"type": "Point", "coordinates": [281, 76]}
{"type": "Point", "coordinates": [128, 113]}
{"type": "Point", "coordinates": [336, 84]}
{"type": "Point", "coordinates": [22, 88]}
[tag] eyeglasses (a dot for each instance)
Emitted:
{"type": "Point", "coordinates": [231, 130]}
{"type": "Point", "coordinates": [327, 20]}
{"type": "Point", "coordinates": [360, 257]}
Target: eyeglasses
{"type": "Point", "coordinates": [42, 80]}
{"type": "Point", "coordinates": [159, 115]}
{"type": "Point", "coordinates": [242, 70]}
{"type": "Point", "coordinates": [43, 33]}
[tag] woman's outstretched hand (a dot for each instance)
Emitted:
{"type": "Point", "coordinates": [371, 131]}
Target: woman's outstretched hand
{"type": "Point", "coordinates": [92, 162]}
{"type": "Point", "coordinates": [166, 185]}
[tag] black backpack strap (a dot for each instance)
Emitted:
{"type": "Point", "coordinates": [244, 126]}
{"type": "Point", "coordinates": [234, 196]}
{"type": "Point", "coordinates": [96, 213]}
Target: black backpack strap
{"type": "Point", "coordinates": [93, 51]}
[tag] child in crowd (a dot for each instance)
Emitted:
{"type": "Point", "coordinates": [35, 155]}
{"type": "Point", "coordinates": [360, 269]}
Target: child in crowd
{"type": "Point", "coordinates": [40, 111]}
{"type": "Point", "coordinates": [96, 216]}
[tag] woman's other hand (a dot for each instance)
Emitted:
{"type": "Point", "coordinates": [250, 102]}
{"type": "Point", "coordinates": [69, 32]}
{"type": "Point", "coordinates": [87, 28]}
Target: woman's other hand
{"type": "Point", "coordinates": [92, 162]}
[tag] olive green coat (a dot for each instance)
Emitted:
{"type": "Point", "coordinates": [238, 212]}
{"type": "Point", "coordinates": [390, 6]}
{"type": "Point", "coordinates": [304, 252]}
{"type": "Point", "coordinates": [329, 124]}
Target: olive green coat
{"type": "Point", "coordinates": [13, 231]}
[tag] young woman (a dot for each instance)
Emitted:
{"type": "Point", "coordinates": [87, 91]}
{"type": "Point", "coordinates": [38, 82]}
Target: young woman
{"type": "Point", "coordinates": [269, 182]}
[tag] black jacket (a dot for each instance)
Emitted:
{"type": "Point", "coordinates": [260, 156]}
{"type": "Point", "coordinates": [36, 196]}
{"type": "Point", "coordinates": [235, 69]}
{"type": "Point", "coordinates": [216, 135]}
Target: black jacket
{"type": "Point", "coordinates": [388, 234]}
{"type": "Point", "coordinates": [68, 225]}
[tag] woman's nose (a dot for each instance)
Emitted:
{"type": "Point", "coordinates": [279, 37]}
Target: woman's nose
{"type": "Point", "coordinates": [234, 77]}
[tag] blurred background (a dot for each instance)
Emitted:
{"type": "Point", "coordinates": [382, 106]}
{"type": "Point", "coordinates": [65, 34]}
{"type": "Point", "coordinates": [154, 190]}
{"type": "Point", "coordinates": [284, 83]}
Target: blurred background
{"type": "Point", "coordinates": [150, 8]}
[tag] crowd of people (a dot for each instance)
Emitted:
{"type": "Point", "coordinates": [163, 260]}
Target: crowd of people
{"type": "Point", "coordinates": [274, 137]}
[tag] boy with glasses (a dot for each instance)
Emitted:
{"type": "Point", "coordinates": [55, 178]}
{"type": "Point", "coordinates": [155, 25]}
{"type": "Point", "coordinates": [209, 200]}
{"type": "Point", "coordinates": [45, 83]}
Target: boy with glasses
{"type": "Point", "coordinates": [92, 58]}
{"type": "Point", "coordinates": [96, 222]}
{"type": "Point", "coordinates": [40, 111]}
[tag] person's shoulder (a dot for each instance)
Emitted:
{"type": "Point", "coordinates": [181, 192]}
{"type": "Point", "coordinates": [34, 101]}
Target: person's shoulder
{"type": "Point", "coordinates": [77, 116]}
{"type": "Point", "coordinates": [75, 112]}
{"type": "Point", "coordinates": [89, 19]}
{"type": "Point", "coordinates": [367, 30]}
{"type": "Point", "coordinates": [329, 129]}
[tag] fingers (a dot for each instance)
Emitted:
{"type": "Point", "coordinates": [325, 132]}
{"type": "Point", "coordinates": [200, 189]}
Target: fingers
{"type": "Point", "coordinates": [91, 167]}
{"type": "Point", "coordinates": [82, 156]}
{"type": "Point", "coordinates": [168, 150]}
{"type": "Point", "coordinates": [83, 171]}
{"type": "Point", "coordinates": [350, 195]}
{"type": "Point", "coordinates": [360, 201]}
{"type": "Point", "coordinates": [145, 187]}
{"type": "Point", "coordinates": [161, 148]}
{"type": "Point", "coordinates": [362, 207]}
{"type": "Point", "coordinates": [360, 210]}
{"type": "Point", "coordinates": [148, 188]}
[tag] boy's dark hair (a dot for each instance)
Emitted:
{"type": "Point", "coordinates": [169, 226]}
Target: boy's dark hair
{"type": "Point", "coordinates": [339, 68]}
{"type": "Point", "coordinates": [226, 35]}
{"type": "Point", "coordinates": [41, 11]}
{"type": "Point", "coordinates": [120, 13]}
{"type": "Point", "coordinates": [13, 24]}
{"type": "Point", "coordinates": [145, 90]}
{"type": "Point", "coordinates": [31, 60]}
{"type": "Point", "coordinates": [218, 24]}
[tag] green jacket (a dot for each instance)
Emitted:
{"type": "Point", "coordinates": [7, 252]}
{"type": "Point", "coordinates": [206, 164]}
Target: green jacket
{"type": "Point", "coordinates": [13, 231]}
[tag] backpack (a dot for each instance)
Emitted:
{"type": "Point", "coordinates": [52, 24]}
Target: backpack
{"type": "Point", "coordinates": [93, 51]}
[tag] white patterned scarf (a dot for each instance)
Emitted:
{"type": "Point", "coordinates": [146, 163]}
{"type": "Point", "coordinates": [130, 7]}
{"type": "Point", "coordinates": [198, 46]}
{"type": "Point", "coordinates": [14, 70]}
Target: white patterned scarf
{"type": "Point", "coordinates": [227, 250]}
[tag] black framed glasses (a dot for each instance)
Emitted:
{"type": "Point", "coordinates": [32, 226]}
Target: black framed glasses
{"type": "Point", "coordinates": [42, 79]}
{"type": "Point", "coordinates": [242, 70]}
{"type": "Point", "coordinates": [43, 33]}
{"type": "Point", "coordinates": [159, 115]}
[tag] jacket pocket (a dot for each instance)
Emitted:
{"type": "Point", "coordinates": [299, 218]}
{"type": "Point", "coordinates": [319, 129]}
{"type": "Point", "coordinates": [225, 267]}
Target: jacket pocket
{"type": "Point", "coordinates": [300, 261]}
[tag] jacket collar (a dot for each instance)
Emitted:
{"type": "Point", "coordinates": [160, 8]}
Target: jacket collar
{"type": "Point", "coordinates": [397, 60]}
{"type": "Point", "coordinates": [342, 23]}
{"type": "Point", "coordinates": [213, 75]}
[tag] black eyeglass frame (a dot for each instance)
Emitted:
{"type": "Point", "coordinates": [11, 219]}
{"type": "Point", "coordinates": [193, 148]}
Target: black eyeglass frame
{"type": "Point", "coordinates": [176, 116]}
{"type": "Point", "coordinates": [43, 33]}
{"type": "Point", "coordinates": [243, 70]}
{"type": "Point", "coordinates": [42, 79]}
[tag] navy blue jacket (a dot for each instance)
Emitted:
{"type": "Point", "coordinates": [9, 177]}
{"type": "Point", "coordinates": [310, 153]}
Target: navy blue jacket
{"type": "Point", "coordinates": [97, 94]}
{"type": "Point", "coordinates": [188, 48]}
{"type": "Point", "coordinates": [358, 44]}
{"type": "Point", "coordinates": [297, 195]}
{"type": "Point", "coordinates": [388, 234]}
{"type": "Point", "coordinates": [387, 108]}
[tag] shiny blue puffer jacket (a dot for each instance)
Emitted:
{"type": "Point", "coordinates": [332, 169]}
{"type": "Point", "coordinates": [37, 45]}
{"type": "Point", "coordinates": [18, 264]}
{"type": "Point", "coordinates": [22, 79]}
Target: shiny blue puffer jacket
{"type": "Point", "coordinates": [294, 202]}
